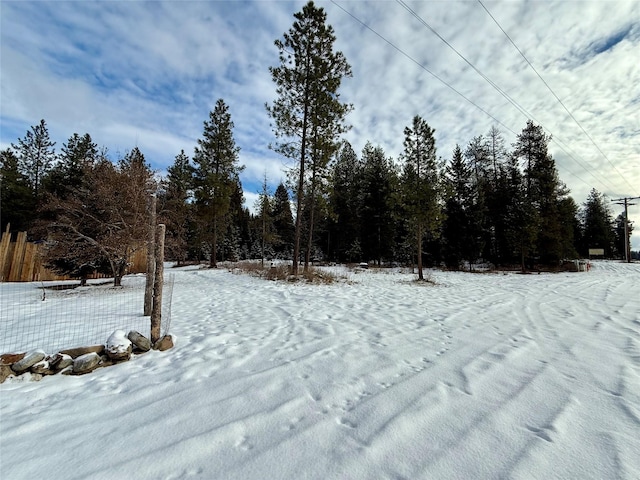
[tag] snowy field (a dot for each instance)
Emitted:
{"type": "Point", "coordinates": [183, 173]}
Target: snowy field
{"type": "Point", "coordinates": [479, 376]}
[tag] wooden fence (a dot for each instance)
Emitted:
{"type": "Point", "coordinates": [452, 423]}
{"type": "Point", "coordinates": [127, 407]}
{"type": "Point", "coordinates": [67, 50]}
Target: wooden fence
{"type": "Point", "coordinates": [20, 261]}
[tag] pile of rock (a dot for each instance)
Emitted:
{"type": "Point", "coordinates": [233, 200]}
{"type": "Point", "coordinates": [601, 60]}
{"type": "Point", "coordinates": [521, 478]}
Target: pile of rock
{"type": "Point", "coordinates": [78, 361]}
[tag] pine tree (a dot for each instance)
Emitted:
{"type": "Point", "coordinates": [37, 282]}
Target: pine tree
{"type": "Point", "coordinates": [345, 205]}
{"type": "Point", "coordinates": [283, 222]}
{"type": "Point", "coordinates": [457, 225]}
{"type": "Point", "coordinates": [377, 207]}
{"type": "Point", "coordinates": [544, 192]}
{"type": "Point", "coordinates": [421, 184]}
{"type": "Point", "coordinates": [264, 207]}
{"type": "Point", "coordinates": [495, 147]}
{"type": "Point", "coordinates": [36, 156]}
{"type": "Point", "coordinates": [517, 216]}
{"type": "Point", "coordinates": [217, 168]}
{"type": "Point", "coordinates": [17, 201]}
{"type": "Point", "coordinates": [308, 114]}
{"type": "Point", "coordinates": [498, 158]}
{"type": "Point", "coordinates": [67, 175]}
{"type": "Point", "coordinates": [597, 225]}
{"type": "Point", "coordinates": [619, 235]}
{"type": "Point", "coordinates": [177, 211]}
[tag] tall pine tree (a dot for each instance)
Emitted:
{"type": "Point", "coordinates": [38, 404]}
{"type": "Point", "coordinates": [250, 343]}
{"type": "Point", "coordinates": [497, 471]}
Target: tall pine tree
{"type": "Point", "coordinates": [216, 171]}
{"type": "Point", "coordinates": [421, 185]}
{"type": "Point", "coordinates": [308, 114]}
{"type": "Point", "coordinates": [36, 156]}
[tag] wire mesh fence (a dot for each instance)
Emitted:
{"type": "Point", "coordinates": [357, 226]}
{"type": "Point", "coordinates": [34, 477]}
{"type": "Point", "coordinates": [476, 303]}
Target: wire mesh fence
{"type": "Point", "coordinates": [53, 316]}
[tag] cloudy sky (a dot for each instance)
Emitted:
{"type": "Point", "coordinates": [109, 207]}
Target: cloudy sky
{"type": "Point", "coordinates": [147, 74]}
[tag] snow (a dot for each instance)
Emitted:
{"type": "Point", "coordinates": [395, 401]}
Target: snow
{"type": "Point", "coordinates": [118, 342]}
{"type": "Point", "coordinates": [475, 376]}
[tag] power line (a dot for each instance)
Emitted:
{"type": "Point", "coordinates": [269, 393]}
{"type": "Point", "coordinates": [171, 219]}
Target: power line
{"type": "Point", "coordinates": [559, 142]}
{"type": "Point", "coordinates": [511, 100]}
{"type": "Point", "coordinates": [405, 54]}
{"type": "Point", "coordinates": [556, 96]}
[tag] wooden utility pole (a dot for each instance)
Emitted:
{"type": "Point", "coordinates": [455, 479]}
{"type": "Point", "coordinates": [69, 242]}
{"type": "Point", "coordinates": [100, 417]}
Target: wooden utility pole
{"type": "Point", "coordinates": [151, 261]}
{"type": "Point", "coordinates": [625, 201]}
{"type": "Point", "coordinates": [156, 310]}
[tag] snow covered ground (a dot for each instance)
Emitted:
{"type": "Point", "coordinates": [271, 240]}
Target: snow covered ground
{"type": "Point", "coordinates": [479, 376]}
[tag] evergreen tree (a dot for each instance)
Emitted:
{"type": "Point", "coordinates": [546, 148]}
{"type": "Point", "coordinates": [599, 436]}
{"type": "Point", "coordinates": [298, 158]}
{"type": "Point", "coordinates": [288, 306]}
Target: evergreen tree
{"type": "Point", "coordinates": [308, 114]}
{"type": "Point", "coordinates": [345, 205]}
{"type": "Point", "coordinates": [619, 235]}
{"type": "Point", "coordinates": [458, 237]}
{"type": "Point", "coordinates": [35, 156]}
{"type": "Point", "coordinates": [421, 184]}
{"type": "Point", "coordinates": [544, 192]}
{"type": "Point", "coordinates": [498, 157]}
{"type": "Point", "coordinates": [283, 222]}
{"type": "Point", "coordinates": [264, 207]}
{"type": "Point", "coordinates": [377, 207]}
{"type": "Point", "coordinates": [479, 230]}
{"type": "Point", "coordinates": [17, 200]}
{"type": "Point", "coordinates": [569, 227]}
{"type": "Point", "coordinates": [68, 174]}
{"type": "Point", "coordinates": [216, 171]}
{"type": "Point", "coordinates": [496, 150]}
{"type": "Point", "coordinates": [597, 225]}
{"type": "Point", "coordinates": [237, 234]}
{"type": "Point", "coordinates": [177, 211]}
{"type": "Point", "coordinates": [516, 215]}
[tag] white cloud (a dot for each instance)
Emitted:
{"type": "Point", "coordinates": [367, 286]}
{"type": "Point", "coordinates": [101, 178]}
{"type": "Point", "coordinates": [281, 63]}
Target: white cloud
{"type": "Point", "coordinates": [149, 73]}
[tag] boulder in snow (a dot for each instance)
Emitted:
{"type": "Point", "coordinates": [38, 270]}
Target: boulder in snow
{"type": "Point", "coordinates": [86, 363]}
{"type": "Point", "coordinates": [28, 361]}
{"type": "Point", "coordinates": [118, 347]}
{"type": "Point", "coordinates": [42, 368]}
{"type": "Point", "coordinates": [60, 361]}
{"type": "Point", "coordinates": [77, 352]}
{"type": "Point", "coordinates": [165, 343]}
{"type": "Point", "coordinates": [140, 341]}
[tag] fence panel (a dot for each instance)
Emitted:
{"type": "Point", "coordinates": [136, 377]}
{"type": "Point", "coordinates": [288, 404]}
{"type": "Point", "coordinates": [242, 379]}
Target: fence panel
{"type": "Point", "coordinates": [20, 261]}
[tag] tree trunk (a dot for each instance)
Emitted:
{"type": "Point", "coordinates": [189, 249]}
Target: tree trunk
{"type": "Point", "coordinates": [311, 222]}
{"type": "Point", "coordinates": [151, 261]}
{"type": "Point", "coordinates": [420, 274]}
{"type": "Point", "coordinates": [158, 280]}
{"type": "Point", "coordinates": [300, 195]}
{"type": "Point", "coordinates": [214, 243]}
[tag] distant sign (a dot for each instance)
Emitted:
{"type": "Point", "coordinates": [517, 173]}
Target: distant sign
{"type": "Point", "coordinates": [596, 251]}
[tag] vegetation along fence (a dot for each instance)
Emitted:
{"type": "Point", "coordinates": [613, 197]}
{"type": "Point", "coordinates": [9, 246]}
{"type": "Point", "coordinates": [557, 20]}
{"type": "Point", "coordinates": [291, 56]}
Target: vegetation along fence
{"type": "Point", "coordinates": [21, 261]}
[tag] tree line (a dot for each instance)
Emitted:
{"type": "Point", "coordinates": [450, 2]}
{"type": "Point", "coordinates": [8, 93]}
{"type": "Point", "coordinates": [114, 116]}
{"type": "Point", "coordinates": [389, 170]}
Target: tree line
{"type": "Point", "coordinates": [485, 202]}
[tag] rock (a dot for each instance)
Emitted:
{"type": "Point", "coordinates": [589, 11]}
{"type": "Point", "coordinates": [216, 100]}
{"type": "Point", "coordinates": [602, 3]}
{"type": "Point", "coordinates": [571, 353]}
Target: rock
{"type": "Point", "coordinates": [165, 343]}
{"type": "Point", "coordinates": [60, 361]}
{"type": "Point", "coordinates": [86, 363]}
{"type": "Point", "coordinates": [105, 361]}
{"type": "Point", "coordinates": [42, 368]}
{"type": "Point", "coordinates": [118, 347]}
{"type": "Point", "coordinates": [5, 372]}
{"type": "Point", "coordinates": [78, 352]}
{"type": "Point", "coordinates": [139, 340]}
{"type": "Point", "coordinates": [9, 358]}
{"type": "Point", "coordinates": [28, 361]}
{"type": "Point", "coordinates": [67, 370]}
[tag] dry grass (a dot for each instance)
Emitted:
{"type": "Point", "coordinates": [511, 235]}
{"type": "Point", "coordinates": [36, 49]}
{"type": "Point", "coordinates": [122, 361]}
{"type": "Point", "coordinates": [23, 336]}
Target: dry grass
{"type": "Point", "coordinates": [281, 272]}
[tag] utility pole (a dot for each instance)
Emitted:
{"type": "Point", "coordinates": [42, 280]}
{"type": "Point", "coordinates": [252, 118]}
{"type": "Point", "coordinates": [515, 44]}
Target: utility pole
{"type": "Point", "coordinates": [625, 201]}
